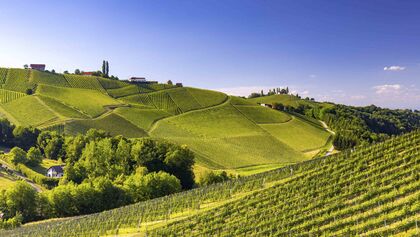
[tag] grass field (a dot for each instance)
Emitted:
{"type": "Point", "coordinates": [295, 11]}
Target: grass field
{"type": "Point", "coordinates": [298, 134]}
{"type": "Point", "coordinates": [142, 118]}
{"type": "Point", "coordinates": [183, 99]}
{"type": "Point", "coordinates": [29, 111]}
{"type": "Point", "coordinates": [112, 123]}
{"type": "Point", "coordinates": [62, 109]}
{"type": "Point", "coordinates": [45, 165]}
{"type": "Point", "coordinates": [90, 102]}
{"type": "Point", "coordinates": [6, 180]}
{"type": "Point", "coordinates": [207, 98]}
{"type": "Point", "coordinates": [262, 115]}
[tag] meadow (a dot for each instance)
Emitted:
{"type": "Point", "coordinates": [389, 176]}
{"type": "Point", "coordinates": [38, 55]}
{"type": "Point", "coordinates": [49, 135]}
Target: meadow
{"type": "Point", "coordinates": [142, 118]}
{"type": "Point", "coordinates": [372, 191]}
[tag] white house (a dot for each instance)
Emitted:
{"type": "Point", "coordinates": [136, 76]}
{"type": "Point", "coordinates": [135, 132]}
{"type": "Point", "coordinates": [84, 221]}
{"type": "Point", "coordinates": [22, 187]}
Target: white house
{"type": "Point", "coordinates": [55, 171]}
{"type": "Point", "coordinates": [137, 79]}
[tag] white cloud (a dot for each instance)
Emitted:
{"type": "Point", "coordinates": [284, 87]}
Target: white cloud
{"type": "Point", "coordinates": [387, 89]}
{"type": "Point", "coordinates": [394, 68]}
{"type": "Point", "coordinates": [357, 97]}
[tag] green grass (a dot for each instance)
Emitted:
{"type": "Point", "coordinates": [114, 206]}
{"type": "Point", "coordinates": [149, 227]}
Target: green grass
{"type": "Point", "coordinates": [49, 78]}
{"type": "Point", "coordinates": [7, 96]}
{"type": "Point", "coordinates": [298, 134]}
{"type": "Point", "coordinates": [43, 167]}
{"type": "Point", "coordinates": [18, 80]}
{"type": "Point", "coordinates": [262, 115]}
{"type": "Point", "coordinates": [84, 82]}
{"type": "Point", "coordinates": [240, 101]}
{"type": "Point", "coordinates": [142, 118]}
{"type": "Point", "coordinates": [29, 111]}
{"type": "Point", "coordinates": [124, 91]}
{"type": "Point", "coordinates": [90, 102]}
{"type": "Point", "coordinates": [163, 101]}
{"type": "Point", "coordinates": [224, 138]}
{"type": "Point", "coordinates": [62, 109]}
{"type": "Point", "coordinates": [6, 180]}
{"type": "Point", "coordinates": [207, 98]}
{"type": "Point", "coordinates": [112, 123]}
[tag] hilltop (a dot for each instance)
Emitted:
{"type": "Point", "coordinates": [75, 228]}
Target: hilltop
{"type": "Point", "coordinates": [225, 132]}
{"type": "Point", "coordinates": [370, 191]}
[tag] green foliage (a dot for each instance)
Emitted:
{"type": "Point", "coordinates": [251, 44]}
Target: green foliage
{"type": "Point", "coordinates": [377, 186]}
{"type": "Point", "coordinates": [25, 137]}
{"type": "Point", "coordinates": [49, 78]}
{"type": "Point", "coordinates": [17, 156]}
{"type": "Point", "coordinates": [21, 199]}
{"type": "Point", "coordinates": [3, 75]}
{"type": "Point", "coordinates": [212, 177]}
{"type": "Point", "coordinates": [6, 132]}
{"type": "Point", "coordinates": [34, 156]}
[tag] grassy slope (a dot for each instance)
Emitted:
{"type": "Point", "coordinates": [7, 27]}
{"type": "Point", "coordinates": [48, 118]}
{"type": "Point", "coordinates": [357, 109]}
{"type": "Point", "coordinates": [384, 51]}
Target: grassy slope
{"type": "Point", "coordinates": [45, 165]}
{"type": "Point", "coordinates": [29, 111]}
{"type": "Point", "coordinates": [143, 118]}
{"type": "Point", "coordinates": [298, 134]}
{"type": "Point", "coordinates": [262, 115]}
{"type": "Point", "coordinates": [91, 102]}
{"type": "Point", "coordinates": [114, 124]}
{"type": "Point", "coordinates": [224, 138]}
{"type": "Point", "coordinates": [6, 181]}
{"type": "Point", "coordinates": [372, 191]}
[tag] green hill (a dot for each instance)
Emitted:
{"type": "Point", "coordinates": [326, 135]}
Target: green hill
{"type": "Point", "coordinates": [371, 191]}
{"type": "Point", "coordinates": [224, 132]}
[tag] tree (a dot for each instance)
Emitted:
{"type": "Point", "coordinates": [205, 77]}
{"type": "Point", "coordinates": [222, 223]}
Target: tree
{"type": "Point", "coordinates": [212, 177]}
{"type": "Point", "coordinates": [53, 71]}
{"type": "Point", "coordinates": [262, 93]}
{"type": "Point", "coordinates": [26, 66]}
{"type": "Point", "coordinates": [29, 91]}
{"type": "Point", "coordinates": [107, 69]}
{"type": "Point", "coordinates": [17, 156]}
{"type": "Point", "coordinates": [287, 90]}
{"type": "Point", "coordinates": [6, 132]}
{"type": "Point", "coordinates": [66, 72]}
{"type": "Point", "coordinates": [21, 198]}
{"type": "Point", "coordinates": [278, 106]}
{"type": "Point", "coordinates": [77, 72]}
{"type": "Point", "coordinates": [179, 162]}
{"type": "Point", "coordinates": [103, 67]}
{"type": "Point", "coordinates": [55, 147]}
{"type": "Point", "coordinates": [25, 137]}
{"type": "Point", "coordinates": [170, 82]}
{"type": "Point", "coordinates": [34, 156]}
{"type": "Point", "coordinates": [254, 95]}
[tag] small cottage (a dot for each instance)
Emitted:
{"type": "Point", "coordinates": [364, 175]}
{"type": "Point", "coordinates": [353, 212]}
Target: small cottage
{"type": "Point", "coordinates": [55, 171]}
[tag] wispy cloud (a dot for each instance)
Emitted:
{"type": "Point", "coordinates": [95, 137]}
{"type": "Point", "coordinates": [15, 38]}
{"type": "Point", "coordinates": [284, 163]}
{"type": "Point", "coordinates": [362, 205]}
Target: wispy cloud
{"type": "Point", "coordinates": [394, 68]}
{"type": "Point", "coordinates": [387, 89]}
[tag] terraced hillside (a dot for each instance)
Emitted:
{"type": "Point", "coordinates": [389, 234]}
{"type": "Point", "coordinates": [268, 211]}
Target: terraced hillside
{"type": "Point", "coordinates": [371, 191]}
{"type": "Point", "coordinates": [224, 132]}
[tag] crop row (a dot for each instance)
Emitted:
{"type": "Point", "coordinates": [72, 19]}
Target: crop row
{"type": "Point", "coordinates": [358, 192]}
{"type": "Point", "coordinates": [84, 82]}
{"type": "Point", "coordinates": [7, 96]}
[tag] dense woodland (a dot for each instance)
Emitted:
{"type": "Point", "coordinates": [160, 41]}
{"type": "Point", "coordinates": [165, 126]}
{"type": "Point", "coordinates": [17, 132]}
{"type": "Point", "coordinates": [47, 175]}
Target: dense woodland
{"type": "Point", "coordinates": [101, 172]}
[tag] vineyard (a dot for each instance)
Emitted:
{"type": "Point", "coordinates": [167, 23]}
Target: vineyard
{"type": "Point", "coordinates": [49, 78]}
{"type": "Point", "coordinates": [3, 75]}
{"type": "Point", "coordinates": [84, 82]}
{"type": "Point", "coordinates": [7, 96]}
{"type": "Point", "coordinates": [18, 80]}
{"type": "Point", "coordinates": [370, 191]}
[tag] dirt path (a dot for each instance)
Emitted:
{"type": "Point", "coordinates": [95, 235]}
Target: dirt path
{"type": "Point", "coordinates": [331, 150]}
{"type": "Point", "coordinates": [30, 182]}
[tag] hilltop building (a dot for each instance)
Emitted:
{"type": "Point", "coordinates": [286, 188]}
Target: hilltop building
{"type": "Point", "coordinates": [88, 73]}
{"type": "Point", "coordinates": [141, 80]}
{"type": "Point", "coordinates": [39, 67]}
{"type": "Point", "coordinates": [55, 171]}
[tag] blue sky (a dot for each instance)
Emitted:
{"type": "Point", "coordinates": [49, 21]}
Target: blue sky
{"type": "Point", "coordinates": [354, 52]}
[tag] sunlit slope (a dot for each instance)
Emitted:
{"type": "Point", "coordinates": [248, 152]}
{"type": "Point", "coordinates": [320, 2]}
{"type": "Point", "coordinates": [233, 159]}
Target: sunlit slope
{"type": "Point", "coordinates": [224, 137]}
{"type": "Point", "coordinates": [372, 191]}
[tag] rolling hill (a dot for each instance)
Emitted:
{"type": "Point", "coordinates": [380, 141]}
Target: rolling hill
{"type": "Point", "coordinates": [225, 132]}
{"type": "Point", "coordinates": [370, 191]}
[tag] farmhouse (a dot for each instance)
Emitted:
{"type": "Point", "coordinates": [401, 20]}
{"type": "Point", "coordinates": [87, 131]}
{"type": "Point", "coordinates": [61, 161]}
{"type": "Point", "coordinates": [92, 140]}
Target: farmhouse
{"type": "Point", "coordinates": [39, 67]}
{"type": "Point", "coordinates": [88, 73]}
{"type": "Point", "coordinates": [55, 171]}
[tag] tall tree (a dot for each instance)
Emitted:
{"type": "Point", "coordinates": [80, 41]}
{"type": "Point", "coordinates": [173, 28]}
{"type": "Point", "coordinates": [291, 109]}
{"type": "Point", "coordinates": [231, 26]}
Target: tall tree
{"type": "Point", "coordinates": [103, 67]}
{"type": "Point", "coordinates": [106, 68]}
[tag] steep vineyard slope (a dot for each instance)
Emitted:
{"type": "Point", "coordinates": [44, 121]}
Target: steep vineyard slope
{"type": "Point", "coordinates": [370, 191]}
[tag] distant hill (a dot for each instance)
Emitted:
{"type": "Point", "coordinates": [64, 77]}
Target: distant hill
{"type": "Point", "coordinates": [225, 132]}
{"type": "Point", "coordinates": [371, 191]}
